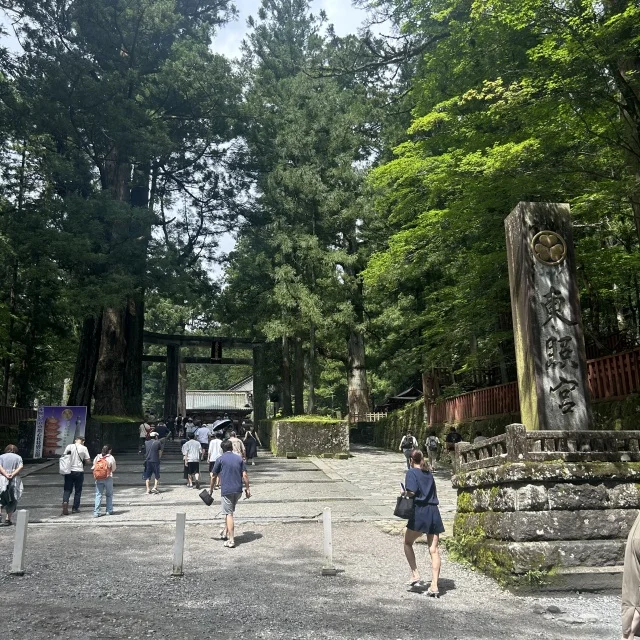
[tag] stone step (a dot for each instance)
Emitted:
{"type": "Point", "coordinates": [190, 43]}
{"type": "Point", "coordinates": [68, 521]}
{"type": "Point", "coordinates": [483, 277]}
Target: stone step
{"type": "Point", "coordinates": [589, 579]}
{"type": "Point", "coordinates": [559, 554]}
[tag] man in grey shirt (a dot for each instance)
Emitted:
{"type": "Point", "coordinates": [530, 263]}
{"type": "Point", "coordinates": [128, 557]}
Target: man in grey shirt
{"type": "Point", "coordinates": [153, 453]}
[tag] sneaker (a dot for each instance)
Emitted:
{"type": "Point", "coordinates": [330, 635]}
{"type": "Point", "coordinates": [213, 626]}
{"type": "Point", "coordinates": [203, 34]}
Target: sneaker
{"type": "Point", "coordinates": [65, 508]}
{"type": "Point", "coordinates": [197, 484]}
{"type": "Point", "coordinates": [189, 486]}
{"type": "Point", "coordinates": [109, 513]}
{"type": "Point", "coordinates": [154, 491]}
{"type": "Point", "coordinates": [74, 510]}
{"type": "Point", "coordinates": [96, 515]}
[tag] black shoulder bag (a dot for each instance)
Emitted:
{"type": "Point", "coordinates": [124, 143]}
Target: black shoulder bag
{"type": "Point", "coordinates": [405, 505]}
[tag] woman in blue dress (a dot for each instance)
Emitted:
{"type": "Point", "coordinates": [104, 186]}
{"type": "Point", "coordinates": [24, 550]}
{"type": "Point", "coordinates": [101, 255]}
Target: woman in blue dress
{"type": "Point", "coordinates": [426, 519]}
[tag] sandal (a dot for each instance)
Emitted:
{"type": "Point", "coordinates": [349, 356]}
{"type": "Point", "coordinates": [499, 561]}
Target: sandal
{"type": "Point", "coordinates": [432, 594]}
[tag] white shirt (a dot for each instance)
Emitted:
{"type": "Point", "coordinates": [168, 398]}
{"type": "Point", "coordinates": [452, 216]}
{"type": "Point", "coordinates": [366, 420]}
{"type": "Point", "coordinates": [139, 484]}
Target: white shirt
{"type": "Point", "coordinates": [215, 449]}
{"type": "Point", "coordinates": [143, 429]}
{"type": "Point", "coordinates": [192, 451]}
{"type": "Point", "coordinates": [78, 453]}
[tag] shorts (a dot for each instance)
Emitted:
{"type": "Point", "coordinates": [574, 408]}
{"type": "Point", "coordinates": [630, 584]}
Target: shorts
{"type": "Point", "coordinates": [229, 503]}
{"type": "Point", "coordinates": [205, 446]}
{"type": "Point", "coordinates": [211, 466]}
{"type": "Point", "coordinates": [151, 469]}
{"type": "Point", "coordinates": [193, 468]}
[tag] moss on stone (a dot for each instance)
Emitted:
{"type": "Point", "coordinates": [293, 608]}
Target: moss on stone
{"type": "Point", "coordinates": [465, 502]}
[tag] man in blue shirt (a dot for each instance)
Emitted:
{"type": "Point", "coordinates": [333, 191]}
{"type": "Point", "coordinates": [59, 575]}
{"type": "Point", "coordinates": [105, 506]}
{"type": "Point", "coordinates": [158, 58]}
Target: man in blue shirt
{"type": "Point", "coordinates": [232, 471]}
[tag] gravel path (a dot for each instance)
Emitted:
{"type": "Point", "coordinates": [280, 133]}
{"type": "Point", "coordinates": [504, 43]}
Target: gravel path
{"type": "Point", "coordinates": [110, 577]}
{"type": "Point", "coordinates": [115, 582]}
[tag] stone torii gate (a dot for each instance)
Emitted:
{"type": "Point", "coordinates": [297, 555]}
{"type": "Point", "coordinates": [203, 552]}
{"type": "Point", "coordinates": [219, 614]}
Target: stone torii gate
{"type": "Point", "coordinates": [173, 360]}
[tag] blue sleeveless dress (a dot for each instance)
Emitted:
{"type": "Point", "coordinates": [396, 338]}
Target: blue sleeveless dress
{"type": "Point", "coordinates": [426, 517]}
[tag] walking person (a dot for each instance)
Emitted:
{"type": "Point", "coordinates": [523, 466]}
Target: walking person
{"type": "Point", "coordinates": [237, 445]}
{"type": "Point", "coordinates": [74, 480]}
{"type": "Point", "coordinates": [432, 446]}
{"type": "Point", "coordinates": [201, 434]}
{"type": "Point", "coordinates": [215, 451]}
{"type": "Point", "coordinates": [179, 425]}
{"type": "Point", "coordinates": [407, 445]}
{"type": "Point", "coordinates": [419, 483]}
{"type": "Point", "coordinates": [104, 464]}
{"type": "Point", "coordinates": [192, 451]}
{"type": "Point", "coordinates": [153, 453]}
{"type": "Point", "coordinates": [251, 442]}
{"type": "Point", "coordinates": [10, 482]}
{"type": "Point", "coordinates": [631, 584]}
{"type": "Point", "coordinates": [232, 471]}
{"type": "Point", "coordinates": [145, 430]}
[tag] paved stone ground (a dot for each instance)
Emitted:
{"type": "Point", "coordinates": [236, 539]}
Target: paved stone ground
{"type": "Point", "coordinates": [111, 576]}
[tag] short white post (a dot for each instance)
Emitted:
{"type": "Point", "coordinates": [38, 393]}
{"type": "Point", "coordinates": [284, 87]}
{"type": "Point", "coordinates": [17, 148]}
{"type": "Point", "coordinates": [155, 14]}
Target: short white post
{"type": "Point", "coordinates": [178, 549]}
{"type": "Point", "coordinates": [20, 543]}
{"type": "Point", "coordinates": [328, 569]}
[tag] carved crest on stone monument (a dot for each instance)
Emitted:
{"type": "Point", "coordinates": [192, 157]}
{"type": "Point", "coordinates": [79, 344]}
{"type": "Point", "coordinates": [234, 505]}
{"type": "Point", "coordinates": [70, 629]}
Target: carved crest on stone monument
{"type": "Point", "coordinates": [549, 247]}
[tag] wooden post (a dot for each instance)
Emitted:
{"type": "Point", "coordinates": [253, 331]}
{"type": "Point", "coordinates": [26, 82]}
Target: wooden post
{"type": "Point", "coordinates": [547, 324]}
{"type": "Point", "coordinates": [20, 543]}
{"type": "Point", "coordinates": [259, 386]}
{"type": "Point", "coordinates": [172, 381]}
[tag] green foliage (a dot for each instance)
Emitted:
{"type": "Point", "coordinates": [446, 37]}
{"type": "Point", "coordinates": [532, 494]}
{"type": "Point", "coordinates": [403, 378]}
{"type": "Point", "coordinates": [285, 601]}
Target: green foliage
{"type": "Point", "coordinates": [513, 102]}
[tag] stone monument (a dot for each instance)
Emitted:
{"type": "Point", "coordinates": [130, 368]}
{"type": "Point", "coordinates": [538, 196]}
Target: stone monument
{"type": "Point", "coordinates": [549, 501]}
{"type": "Point", "coordinates": [547, 324]}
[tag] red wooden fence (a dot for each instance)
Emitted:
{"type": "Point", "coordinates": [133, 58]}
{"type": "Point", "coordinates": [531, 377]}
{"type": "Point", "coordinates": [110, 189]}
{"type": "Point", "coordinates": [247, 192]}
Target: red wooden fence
{"type": "Point", "coordinates": [11, 416]}
{"type": "Point", "coordinates": [610, 378]}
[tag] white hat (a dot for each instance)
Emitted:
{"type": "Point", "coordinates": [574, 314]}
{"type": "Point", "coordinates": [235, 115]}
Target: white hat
{"type": "Point", "coordinates": [153, 434]}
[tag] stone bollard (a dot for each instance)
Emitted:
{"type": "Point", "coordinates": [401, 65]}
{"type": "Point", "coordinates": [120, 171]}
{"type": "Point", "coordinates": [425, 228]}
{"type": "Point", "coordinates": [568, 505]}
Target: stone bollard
{"type": "Point", "coordinates": [328, 569]}
{"type": "Point", "coordinates": [20, 543]}
{"type": "Point", "coordinates": [178, 549]}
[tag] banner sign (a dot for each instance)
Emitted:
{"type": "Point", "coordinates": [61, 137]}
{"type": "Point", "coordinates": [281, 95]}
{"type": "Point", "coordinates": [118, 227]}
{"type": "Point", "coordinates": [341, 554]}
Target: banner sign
{"type": "Point", "coordinates": [57, 427]}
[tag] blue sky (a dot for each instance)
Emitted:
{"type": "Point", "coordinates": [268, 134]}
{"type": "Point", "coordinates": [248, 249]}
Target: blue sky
{"type": "Point", "coordinates": [341, 14]}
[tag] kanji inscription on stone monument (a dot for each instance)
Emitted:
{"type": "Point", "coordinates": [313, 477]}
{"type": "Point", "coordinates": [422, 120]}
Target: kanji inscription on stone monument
{"type": "Point", "coordinates": [552, 367]}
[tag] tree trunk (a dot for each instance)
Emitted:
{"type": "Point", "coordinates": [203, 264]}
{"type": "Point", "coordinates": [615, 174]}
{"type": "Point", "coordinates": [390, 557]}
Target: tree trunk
{"type": "Point", "coordinates": [182, 390]}
{"type": "Point", "coordinates": [286, 378]}
{"type": "Point", "coordinates": [358, 389]}
{"type": "Point", "coordinates": [6, 369]}
{"type": "Point", "coordinates": [84, 374]}
{"type": "Point", "coordinates": [119, 379]}
{"type": "Point", "coordinates": [298, 382]}
{"type": "Point", "coordinates": [134, 327]}
{"type": "Point", "coordinates": [311, 366]}
{"type": "Point", "coordinates": [109, 387]}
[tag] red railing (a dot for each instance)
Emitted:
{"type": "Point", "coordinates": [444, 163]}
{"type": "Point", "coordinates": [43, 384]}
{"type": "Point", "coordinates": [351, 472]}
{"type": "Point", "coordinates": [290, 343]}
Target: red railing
{"type": "Point", "coordinates": [610, 378]}
{"type": "Point", "coordinates": [11, 416]}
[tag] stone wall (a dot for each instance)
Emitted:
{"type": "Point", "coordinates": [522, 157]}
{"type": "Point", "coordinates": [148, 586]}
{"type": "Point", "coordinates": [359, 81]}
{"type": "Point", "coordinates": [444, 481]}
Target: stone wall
{"type": "Point", "coordinates": [122, 436]}
{"type": "Point", "coordinates": [614, 415]}
{"type": "Point", "coordinates": [307, 437]}
{"type": "Point", "coordinates": [8, 435]}
{"type": "Point", "coordinates": [561, 511]}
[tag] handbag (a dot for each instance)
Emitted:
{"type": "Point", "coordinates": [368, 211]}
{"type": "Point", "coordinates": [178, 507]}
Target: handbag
{"type": "Point", "coordinates": [206, 497]}
{"type": "Point", "coordinates": [64, 464]}
{"type": "Point", "coordinates": [405, 506]}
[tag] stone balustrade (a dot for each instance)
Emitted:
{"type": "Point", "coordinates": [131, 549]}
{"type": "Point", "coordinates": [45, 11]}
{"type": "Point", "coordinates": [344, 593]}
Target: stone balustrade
{"type": "Point", "coordinates": [554, 502]}
{"type": "Point", "coordinates": [520, 445]}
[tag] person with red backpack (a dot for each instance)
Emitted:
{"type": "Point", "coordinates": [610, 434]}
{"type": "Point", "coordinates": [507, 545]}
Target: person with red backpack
{"type": "Point", "coordinates": [104, 465]}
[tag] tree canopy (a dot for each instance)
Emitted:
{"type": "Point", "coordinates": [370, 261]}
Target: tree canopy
{"type": "Point", "coordinates": [365, 179]}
